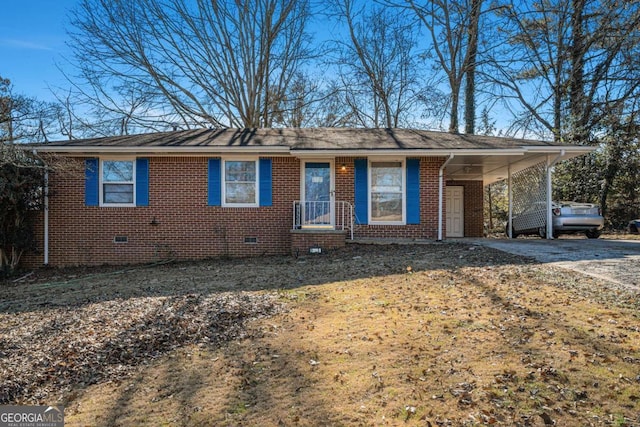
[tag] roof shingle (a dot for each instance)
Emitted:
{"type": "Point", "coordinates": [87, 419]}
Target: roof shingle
{"type": "Point", "coordinates": [308, 139]}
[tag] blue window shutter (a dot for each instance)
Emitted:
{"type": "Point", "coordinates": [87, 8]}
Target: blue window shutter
{"type": "Point", "coordinates": [413, 191]}
{"type": "Point", "coordinates": [266, 192]}
{"type": "Point", "coordinates": [361, 191]}
{"type": "Point", "coordinates": [142, 182]}
{"type": "Point", "coordinates": [91, 182]}
{"type": "Point", "coordinates": [214, 196]}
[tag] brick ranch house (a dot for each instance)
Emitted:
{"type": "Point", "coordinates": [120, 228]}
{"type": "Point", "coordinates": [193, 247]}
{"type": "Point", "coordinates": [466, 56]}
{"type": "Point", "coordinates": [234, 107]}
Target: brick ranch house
{"type": "Point", "coordinates": [247, 192]}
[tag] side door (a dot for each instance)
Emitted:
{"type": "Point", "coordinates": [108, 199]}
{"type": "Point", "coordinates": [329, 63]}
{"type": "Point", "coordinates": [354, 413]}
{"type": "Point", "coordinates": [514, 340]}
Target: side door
{"type": "Point", "coordinates": [455, 211]}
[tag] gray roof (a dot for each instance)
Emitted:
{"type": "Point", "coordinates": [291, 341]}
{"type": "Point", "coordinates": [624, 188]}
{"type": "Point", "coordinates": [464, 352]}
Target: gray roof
{"type": "Point", "coordinates": [470, 157]}
{"type": "Point", "coordinates": [295, 139]}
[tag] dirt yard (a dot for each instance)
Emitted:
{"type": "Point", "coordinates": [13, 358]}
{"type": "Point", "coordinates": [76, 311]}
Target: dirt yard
{"type": "Point", "coordinates": [445, 334]}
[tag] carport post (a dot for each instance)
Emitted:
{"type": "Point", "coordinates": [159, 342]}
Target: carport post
{"type": "Point", "coordinates": [550, 165]}
{"type": "Point", "coordinates": [441, 194]}
{"type": "Point", "coordinates": [509, 201]}
{"type": "Point", "coordinates": [549, 201]}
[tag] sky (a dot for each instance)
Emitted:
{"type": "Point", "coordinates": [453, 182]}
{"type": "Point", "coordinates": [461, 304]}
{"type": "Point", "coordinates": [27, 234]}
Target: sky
{"type": "Point", "coordinates": [32, 45]}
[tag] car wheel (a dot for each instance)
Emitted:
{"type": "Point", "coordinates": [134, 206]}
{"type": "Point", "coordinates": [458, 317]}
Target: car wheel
{"type": "Point", "coordinates": [593, 234]}
{"type": "Point", "coordinates": [556, 234]}
{"type": "Point", "coordinates": [542, 232]}
{"type": "Point", "coordinates": [514, 235]}
{"type": "Point", "coordinates": [633, 229]}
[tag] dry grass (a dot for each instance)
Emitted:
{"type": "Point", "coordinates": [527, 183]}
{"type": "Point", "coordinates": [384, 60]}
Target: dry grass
{"type": "Point", "coordinates": [621, 235]}
{"type": "Point", "coordinates": [410, 335]}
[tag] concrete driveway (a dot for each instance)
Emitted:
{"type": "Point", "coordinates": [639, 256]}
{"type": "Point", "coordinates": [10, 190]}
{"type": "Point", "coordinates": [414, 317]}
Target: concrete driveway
{"type": "Point", "coordinates": [617, 261]}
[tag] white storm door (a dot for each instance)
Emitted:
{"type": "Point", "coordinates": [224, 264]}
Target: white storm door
{"type": "Point", "coordinates": [317, 206]}
{"type": "Point", "coordinates": [455, 211]}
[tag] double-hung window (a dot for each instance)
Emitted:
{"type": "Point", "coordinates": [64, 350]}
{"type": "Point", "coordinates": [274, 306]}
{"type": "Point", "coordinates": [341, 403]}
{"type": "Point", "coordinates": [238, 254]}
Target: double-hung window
{"type": "Point", "coordinates": [118, 182]}
{"type": "Point", "coordinates": [240, 178]}
{"type": "Point", "coordinates": [387, 192]}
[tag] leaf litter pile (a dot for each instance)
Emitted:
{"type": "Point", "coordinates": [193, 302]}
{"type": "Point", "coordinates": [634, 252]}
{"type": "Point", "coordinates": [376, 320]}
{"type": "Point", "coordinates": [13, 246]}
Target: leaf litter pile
{"type": "Point", "coordinates": [427, 335]}
{"type": "Point", "coordinates": [46, 353]}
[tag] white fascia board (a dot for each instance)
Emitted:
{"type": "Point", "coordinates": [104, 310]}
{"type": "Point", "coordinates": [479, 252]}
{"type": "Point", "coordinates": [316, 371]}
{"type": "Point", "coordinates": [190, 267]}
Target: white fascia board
{"type": "Point", "coordinates": [159, 151]}
{"type": "Point", "coordinates": [282, 150]}
{"type": "Point", "coordinates": [582, 149]}
{"type": "Point", "coordinates": [407, 152]}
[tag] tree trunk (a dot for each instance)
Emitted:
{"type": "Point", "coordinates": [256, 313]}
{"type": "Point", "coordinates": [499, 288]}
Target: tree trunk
{"type": "Point", "coordinates": [4, 262]}
{"type": "Point", "coordinates": [470, 69]}
{"type": "Point", "coordinates": [453, 114]}
{"type": "Point", "coordinates": [490, 203]}
{"type": "Point", "coordinates": [610, 173]}
{"type": "Point", "coordinates": [576, 82]}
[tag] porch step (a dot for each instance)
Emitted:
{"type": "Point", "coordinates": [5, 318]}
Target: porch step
{"type": "Point", "coordinates": [303, 241]}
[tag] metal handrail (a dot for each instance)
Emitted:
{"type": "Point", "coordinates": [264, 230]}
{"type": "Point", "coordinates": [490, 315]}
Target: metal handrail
{"type": "Point", "coordinates": [318, 214]}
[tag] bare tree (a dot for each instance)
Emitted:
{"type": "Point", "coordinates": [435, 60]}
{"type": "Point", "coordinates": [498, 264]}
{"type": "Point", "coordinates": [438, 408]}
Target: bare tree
{"type": "Point", "coordinates": [619, 195]}
{"type": "Point", "coordinates": [192, 63]}
{"type": "Point", "coordinates": [25, 119]}
{"type": "Point", "coordinates": [531, 59]}
{"type": "Point", "coordinates": [495, 206]}
{"type": "Point", "coordinates": [330, 109]}
{"type": "Point", "coordinates": [22, 170]}
{"type": "Point", "coordinates": [570, 69]}
{"type": "Point", "coordinates": [454, 30]}
{"type": "Point", "coordinates": [470, 68]}
{"type": "Point", "coordinates": [377, 70]}
{"type": "Point", "coordinates": [6, 111]}
{"type": "Point", "coordinates": [315, 103]}
{"type": "Point", "coordinates": [564, 64]}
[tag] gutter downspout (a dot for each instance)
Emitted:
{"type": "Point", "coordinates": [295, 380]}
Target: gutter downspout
{"type": "Point", "coordinates": [510, 203]}
{"type": "Point", "coordinates": [550, 165]}
{"type": "Point", "coordinates": [440, 194]}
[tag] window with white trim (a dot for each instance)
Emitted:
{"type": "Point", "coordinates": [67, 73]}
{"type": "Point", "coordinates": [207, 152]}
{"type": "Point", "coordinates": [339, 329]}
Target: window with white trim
{"type": "Point", "coordinates": [118, 182]}
{"type": "Point", "coordinates": [386, 196]}
{"type": "Point", "coordinates": [240, 178]}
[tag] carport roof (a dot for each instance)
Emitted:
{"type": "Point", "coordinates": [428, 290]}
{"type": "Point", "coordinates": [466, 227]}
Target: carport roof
{"type": "Point", "coordinates": [473, 157]}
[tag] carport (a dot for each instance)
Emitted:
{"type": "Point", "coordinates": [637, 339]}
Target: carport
{"type": "Point", "coordinates": [528, 170]}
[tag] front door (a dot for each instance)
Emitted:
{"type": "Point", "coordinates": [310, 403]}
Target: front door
{"type": "Point", "coordinates": [317, 206]}
{"type": "Point", "coordinates": [455, 211]}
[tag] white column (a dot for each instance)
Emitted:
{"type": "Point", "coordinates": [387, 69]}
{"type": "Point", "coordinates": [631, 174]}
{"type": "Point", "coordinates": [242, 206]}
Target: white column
{"type": "Point", "coordinates": [509, 201]}
{"type": "Point", "coordinates": [550, 167]}
{"type": "Point", "coordinates": [440, 195]}
{"type": "Point", "coordinates": [549, 201]}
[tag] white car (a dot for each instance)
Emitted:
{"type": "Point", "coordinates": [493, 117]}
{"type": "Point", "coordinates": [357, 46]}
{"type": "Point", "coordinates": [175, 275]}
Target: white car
{"type": "Point", "coordinates": [568, 218]}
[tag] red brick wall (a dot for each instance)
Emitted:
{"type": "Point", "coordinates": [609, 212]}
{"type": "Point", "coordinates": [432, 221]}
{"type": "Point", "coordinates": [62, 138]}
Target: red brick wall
{"type": "Point", "coordinates": [303, 240]}
{"type": "Point", "coordinates": [179, 224]}
{"type": "Point", "coordinates": [428, 227]}
{"type": "Point", "coordinates": [185, 227]}
{"type": "Point", "coordinates": [473, 207]}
